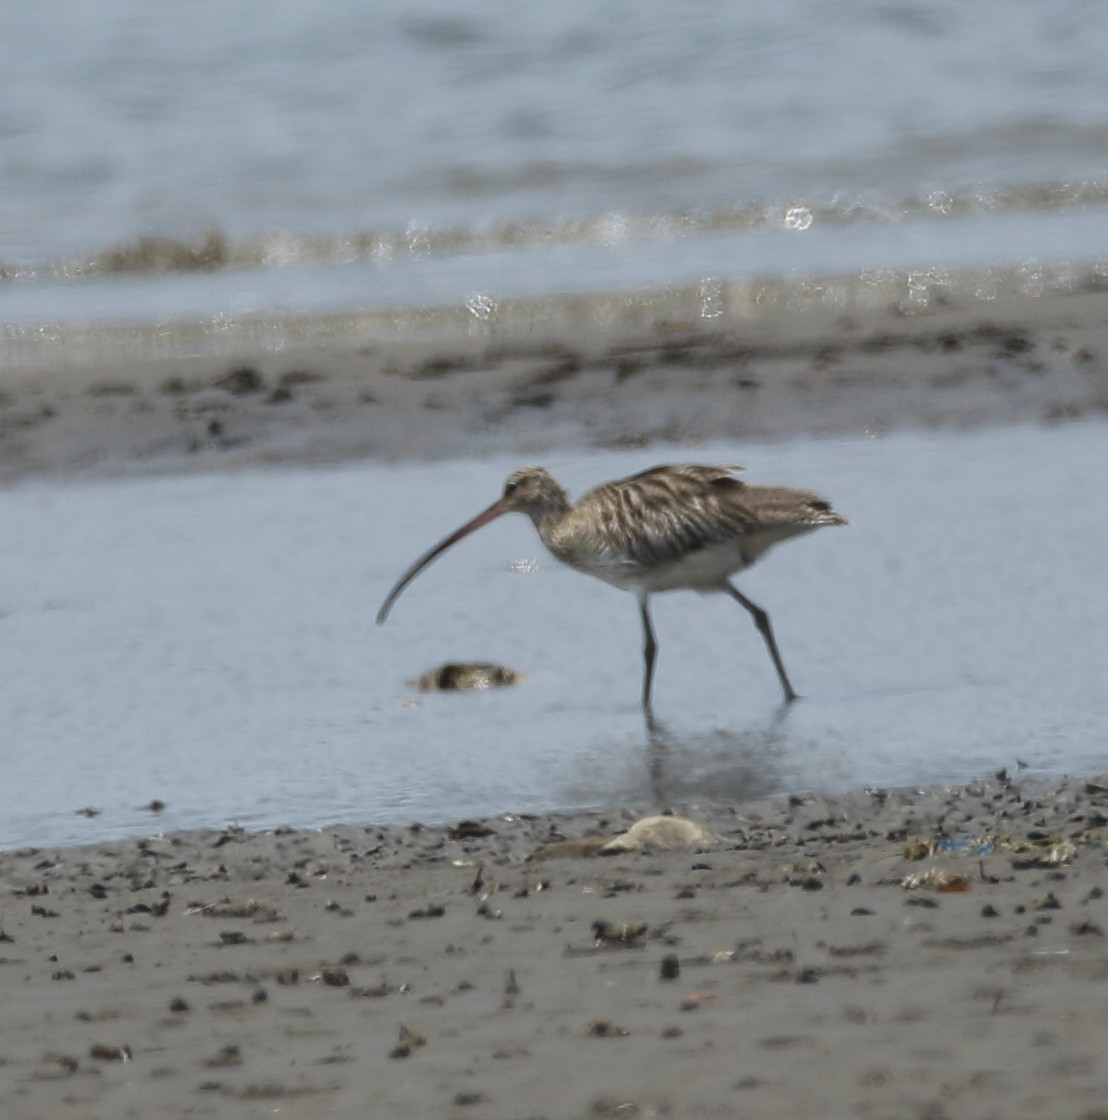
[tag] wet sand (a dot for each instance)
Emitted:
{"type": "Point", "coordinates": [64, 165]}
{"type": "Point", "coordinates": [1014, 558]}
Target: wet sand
{"type": "Point", "coordinates": [882, 954]}
{"type": "Point", "coordinates": [887, 954]}
{"type": "Point", "coordinates": [782, 375]}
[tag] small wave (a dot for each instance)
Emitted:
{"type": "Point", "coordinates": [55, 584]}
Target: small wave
{"type": "Point", "coordinates": [213, 250]}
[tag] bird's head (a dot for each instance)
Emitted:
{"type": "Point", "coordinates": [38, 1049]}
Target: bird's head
{"type": "Point", "coordinates": [531, 490]}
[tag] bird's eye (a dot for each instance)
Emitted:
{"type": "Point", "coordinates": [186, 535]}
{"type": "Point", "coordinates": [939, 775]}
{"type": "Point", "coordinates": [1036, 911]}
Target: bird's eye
{"type": "Point", "coordinates": [511, 487]}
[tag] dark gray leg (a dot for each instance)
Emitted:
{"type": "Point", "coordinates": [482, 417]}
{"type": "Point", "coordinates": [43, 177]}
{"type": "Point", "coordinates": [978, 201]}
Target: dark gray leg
{"type": "Point", "coordinates": [761, 620]}
{"type": "Point", "coordinates": [649, 649]}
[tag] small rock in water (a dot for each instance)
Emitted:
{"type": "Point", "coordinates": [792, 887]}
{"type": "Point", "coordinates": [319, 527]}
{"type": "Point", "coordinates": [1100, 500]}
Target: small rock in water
{"type": "Point", "coordinates": [461, 676]}
{"type": "Point", "coordinates": [104, 1053]}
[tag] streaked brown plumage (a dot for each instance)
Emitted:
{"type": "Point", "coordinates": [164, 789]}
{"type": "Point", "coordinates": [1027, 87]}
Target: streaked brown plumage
{"type": "Point", "coordinates": [676, 527]}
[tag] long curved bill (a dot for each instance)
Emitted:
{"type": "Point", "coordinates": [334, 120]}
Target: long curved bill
{"type": "Point", "coordinates": [491, 514]}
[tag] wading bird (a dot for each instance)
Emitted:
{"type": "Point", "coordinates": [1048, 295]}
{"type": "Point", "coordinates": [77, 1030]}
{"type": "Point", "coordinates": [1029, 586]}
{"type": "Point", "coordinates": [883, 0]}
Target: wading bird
{"type": "Point", "coordinates": [679, 527]}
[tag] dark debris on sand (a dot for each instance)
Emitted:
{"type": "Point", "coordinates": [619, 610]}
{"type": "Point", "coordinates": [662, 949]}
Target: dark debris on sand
{"type": "Point", "coordinates": [787, 968]}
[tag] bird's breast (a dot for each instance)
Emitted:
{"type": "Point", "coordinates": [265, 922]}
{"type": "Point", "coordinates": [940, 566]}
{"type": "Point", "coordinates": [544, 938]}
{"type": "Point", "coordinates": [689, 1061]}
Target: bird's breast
{"type": "Point", "coordinates": [704, 569]}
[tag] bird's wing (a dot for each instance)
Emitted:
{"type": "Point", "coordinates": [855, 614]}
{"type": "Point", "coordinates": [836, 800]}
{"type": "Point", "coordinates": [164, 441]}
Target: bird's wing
{"type": "Point", "coordinates": [693, 472]}
{"type": "Point", "coordinates": [662, 514]}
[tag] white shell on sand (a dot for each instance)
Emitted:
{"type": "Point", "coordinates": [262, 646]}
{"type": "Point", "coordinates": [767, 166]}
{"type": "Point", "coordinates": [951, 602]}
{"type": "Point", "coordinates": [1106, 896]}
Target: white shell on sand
{"type": "Point", "coordinates": [660, 832]}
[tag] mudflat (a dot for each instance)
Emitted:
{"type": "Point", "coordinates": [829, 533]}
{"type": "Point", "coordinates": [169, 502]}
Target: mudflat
{"type": "Point", "coordinates": [884, 953]}
{"type": "Point", "coordinates": [778, 376]}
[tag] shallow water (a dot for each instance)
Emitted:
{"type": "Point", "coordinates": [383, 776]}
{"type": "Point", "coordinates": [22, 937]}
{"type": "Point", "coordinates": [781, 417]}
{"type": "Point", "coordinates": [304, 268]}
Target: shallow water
{"type": "Point", "coordinates": [209, 641]}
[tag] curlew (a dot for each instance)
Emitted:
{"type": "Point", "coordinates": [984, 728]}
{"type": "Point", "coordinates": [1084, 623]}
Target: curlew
{"type": "Point", "coordinates": [678, 527]}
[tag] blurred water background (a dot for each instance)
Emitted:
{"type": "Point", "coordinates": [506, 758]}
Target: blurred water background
{"type": "Point", "coordinates": [220, 164]}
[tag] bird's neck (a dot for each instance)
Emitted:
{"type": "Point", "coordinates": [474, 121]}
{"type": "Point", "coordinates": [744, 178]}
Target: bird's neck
{"type": "Point", "coordinates": [547, 517]}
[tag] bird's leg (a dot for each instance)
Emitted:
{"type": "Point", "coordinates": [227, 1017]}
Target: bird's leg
{"type": "Point", "coordinates": [761, 620]}
{"type": "Point", "coordinates": [649, 649]}
{"type": "Point", "coordinates": [658, 743]}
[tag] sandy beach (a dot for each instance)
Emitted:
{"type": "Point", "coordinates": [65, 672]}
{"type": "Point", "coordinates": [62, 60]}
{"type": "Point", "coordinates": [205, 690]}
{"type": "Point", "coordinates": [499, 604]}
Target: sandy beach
{"type": "Point", "coordinates": [886, 954]}
{"type": "Point", "coordinates": [892, 954]}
